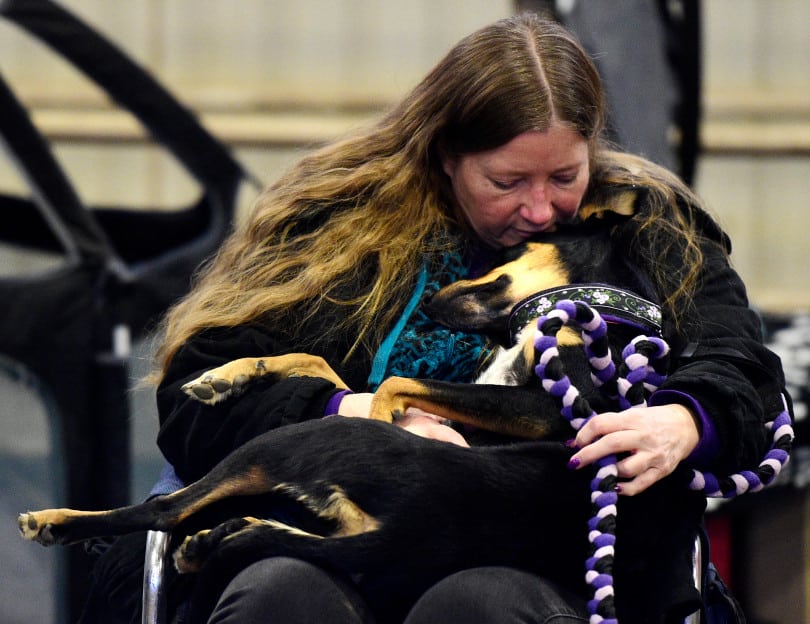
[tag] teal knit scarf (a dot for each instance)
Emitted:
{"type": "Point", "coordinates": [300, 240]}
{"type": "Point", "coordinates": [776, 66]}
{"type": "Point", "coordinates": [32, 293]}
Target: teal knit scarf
{"type": "Point", "coordinates": [418, 347]}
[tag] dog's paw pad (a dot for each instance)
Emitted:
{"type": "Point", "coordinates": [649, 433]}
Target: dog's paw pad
{"type": "Point", "coordinates": [33, 530]}
{"type": "Point", "coordinates": [208, 389]}
{"type": "Point", "coordinates": [29, 528]}
{"type": "Point", "coordinates": [220, 386]}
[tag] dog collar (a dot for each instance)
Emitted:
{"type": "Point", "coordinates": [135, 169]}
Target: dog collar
{"type": "Point", "coordinates": [614, 304]}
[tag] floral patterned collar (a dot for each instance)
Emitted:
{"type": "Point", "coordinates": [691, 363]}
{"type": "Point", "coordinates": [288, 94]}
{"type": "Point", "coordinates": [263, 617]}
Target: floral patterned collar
{"type": "Point", "coordinates": [614, 304]}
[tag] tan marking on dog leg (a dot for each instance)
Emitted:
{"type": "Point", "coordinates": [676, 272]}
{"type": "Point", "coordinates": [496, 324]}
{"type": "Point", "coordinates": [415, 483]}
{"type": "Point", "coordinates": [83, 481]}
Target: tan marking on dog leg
{"type": "Point", "coordinates": [254, 482]}
{"type": "Point", "coordinates": [338, 508]}
{"type": "Point", "coordinates": [219, 383]}
{"type": "Point", "coordinates": [407, 393]}
{"type": "Point", "coordinates": [304, 365]}
{"type": "Point", "coordinates": [35, 526]}
{"type": "Point", "coordinates": [186, 562]}
{"type": "Point", "coordinates": [394, 396]}
{"type": "Point", "coordinates": [351, 519]}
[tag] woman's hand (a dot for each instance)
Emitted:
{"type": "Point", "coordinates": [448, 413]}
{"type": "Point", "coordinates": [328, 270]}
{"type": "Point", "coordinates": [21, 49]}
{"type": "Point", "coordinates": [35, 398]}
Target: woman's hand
{"type": "Point", "coordinates": [656, 438]}
{"type": "Point", "coordinates": [415, 420]}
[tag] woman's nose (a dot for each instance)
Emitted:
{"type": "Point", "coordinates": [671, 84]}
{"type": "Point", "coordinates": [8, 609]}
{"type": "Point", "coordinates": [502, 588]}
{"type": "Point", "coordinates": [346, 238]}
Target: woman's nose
{"type": "Point", "coordinates": [536, 206]}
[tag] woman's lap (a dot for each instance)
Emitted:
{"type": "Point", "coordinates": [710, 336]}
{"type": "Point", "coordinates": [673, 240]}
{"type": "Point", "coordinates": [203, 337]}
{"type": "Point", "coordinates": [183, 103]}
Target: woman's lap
{"type": "Point", "coordinates": [288, 590]}
{"type": "Point", "coordinates": [497, 595]}
{"type": "Point", "coordinates": [282, 589]}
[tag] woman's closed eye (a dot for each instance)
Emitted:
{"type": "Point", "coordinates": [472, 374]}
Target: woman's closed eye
{"type": "Point", "coordinates": [565, 179]}
{"type": "Point", "coordinates": [505, 185]}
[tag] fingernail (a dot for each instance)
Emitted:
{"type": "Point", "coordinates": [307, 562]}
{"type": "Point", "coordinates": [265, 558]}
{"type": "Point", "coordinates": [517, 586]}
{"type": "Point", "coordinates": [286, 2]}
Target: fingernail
{"type": "Point", "coordinates": [572, 443]}
{"type": "Point", "coordinates": [618, 489]}
{"type": "Point", "coordinates": [574, 463]}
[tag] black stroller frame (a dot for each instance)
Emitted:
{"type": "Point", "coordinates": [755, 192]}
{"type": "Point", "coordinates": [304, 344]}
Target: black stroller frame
{"type": "Point", "coordinates": [122, 267]}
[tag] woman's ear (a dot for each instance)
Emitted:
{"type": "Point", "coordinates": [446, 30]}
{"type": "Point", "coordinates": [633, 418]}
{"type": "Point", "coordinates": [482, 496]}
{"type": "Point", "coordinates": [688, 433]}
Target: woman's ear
{"type": "Point", "coordinates": [449, 161]}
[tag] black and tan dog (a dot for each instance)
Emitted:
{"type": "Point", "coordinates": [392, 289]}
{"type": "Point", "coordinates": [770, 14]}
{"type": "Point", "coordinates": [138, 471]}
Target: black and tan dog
{"type": "Point", "coordinates": [388, 506]}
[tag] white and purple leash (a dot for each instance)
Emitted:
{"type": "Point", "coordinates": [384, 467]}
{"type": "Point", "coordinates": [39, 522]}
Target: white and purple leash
{"type": "Point", "coordinates": [639, 374]}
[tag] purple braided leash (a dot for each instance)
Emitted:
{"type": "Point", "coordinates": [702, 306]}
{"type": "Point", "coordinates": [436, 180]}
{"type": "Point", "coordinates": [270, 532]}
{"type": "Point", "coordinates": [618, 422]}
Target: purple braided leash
{"type": "Point", "coordinates": [639, 374]}
{"type": "Point", "coordinates": [763, 475]}
{"type": "Point", "coordinates": [576, 410]}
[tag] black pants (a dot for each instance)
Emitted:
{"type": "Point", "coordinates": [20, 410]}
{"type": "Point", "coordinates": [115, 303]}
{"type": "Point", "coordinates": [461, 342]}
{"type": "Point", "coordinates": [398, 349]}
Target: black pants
{"type": "Point", "coordinates": [293, 591]}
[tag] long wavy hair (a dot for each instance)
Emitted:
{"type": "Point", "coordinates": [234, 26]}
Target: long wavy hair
{"type": "Point", "coordinates": [378, 201]}
{"type": "Point", "coordinates": [667, 227]}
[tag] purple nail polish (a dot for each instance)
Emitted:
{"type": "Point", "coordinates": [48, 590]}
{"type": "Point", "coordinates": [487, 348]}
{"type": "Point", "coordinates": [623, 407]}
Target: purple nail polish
{"type": "Point", "coordinates": [574, 463]}
{"type": "Point", "coordinates": [618, 488]}
{"type": "Point", "coordinates": [572, 443]}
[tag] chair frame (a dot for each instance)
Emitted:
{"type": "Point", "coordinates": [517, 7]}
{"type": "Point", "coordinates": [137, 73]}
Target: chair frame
{"type": "Point", "coordinates": [153, 600]}
{"type": "Point", "coordinates": [157, 556]}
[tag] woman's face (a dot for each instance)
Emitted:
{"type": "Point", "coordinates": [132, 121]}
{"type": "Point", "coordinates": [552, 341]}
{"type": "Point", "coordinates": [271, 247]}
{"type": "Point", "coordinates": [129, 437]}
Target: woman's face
{"type": "Point", "coordinates": [523, 187]}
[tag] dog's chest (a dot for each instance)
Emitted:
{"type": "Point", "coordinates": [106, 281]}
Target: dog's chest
{"type": "Point", "coordinates": [502, 372]}
{"type": "Point", "coordinates": [509, 367]}
{"type": "Point", "coordinates": [515, 366]}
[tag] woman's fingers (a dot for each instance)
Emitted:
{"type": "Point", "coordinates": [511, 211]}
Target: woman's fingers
{"type": "Point", "coordinates": [649, 443]}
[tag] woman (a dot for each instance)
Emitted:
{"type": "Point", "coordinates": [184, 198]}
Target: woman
{"type": "Point", "coordinates": [500, 141]}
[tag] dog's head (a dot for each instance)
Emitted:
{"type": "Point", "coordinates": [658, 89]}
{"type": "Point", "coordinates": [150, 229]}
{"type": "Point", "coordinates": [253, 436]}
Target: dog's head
{"type": "Point", "coordinates": [588, 252]}
{"type": "Point", "coordinates": [483, 305]}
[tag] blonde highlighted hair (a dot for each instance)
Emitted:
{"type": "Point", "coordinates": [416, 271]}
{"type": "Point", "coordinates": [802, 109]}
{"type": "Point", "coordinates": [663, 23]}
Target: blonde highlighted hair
{"type": "Point", "coordinates": [666, 228]}
{"type": "Point", "coordinates": [378, 201]}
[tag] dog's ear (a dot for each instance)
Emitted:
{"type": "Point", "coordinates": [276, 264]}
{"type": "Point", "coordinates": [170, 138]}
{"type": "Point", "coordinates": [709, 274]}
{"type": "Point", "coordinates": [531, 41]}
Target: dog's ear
{"type": "Point", "coordinates": [617, 201]}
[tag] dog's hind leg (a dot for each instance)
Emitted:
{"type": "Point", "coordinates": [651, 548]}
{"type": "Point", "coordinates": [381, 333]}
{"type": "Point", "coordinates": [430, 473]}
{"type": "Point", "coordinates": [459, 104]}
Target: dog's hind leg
{"type": "Point", "coordinates": [196, 549]}
{"type": "Point", "coordinates": [218, 555]}
{"type": "Point", "coordinates": [229, 379]}
{"type": "Point", "coordinates": [245, 540]}
{"type": "Point", "coordinates": [67, 526]}
{"type": "Point", "coordinates": [268, 464]}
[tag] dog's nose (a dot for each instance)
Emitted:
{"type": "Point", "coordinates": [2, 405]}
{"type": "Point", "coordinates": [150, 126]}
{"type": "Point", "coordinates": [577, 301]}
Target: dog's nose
{"type": "Point", "coordinates": [428, 305]}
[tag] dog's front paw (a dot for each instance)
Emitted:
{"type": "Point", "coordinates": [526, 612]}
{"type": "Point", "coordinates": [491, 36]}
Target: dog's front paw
{"type": "Point", "coordinates": [35, 526]}
{"type": "Point", "coordinates": [224, 381]}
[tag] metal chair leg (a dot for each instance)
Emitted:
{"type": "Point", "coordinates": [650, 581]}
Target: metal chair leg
{"type": "Point", "coordinates": [697, 576]}
{"type": "Point", "coordinates": [153, 600]}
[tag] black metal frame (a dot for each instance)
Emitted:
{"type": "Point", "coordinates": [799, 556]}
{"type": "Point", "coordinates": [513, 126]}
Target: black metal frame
{"type": "Point", "coordinates": [121, 267]}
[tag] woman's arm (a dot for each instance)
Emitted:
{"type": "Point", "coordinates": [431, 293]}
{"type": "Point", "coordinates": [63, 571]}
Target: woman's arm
{"type": "Point", "coordinates": [721, 363]}
{"type": "Point", "coordinates": [723, 386]}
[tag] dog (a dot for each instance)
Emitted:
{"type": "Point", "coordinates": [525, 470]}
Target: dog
{"type": "Point", "coordinates": [390, 508]}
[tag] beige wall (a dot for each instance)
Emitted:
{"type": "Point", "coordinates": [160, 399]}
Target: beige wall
{"type": "Point", "coordinates": [275, 76]}
{"type": "Point", "coordinates": [757, 80]}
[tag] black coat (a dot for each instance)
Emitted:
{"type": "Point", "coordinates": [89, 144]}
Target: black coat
{"type": "Point", "coordinates": [718, 359]}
